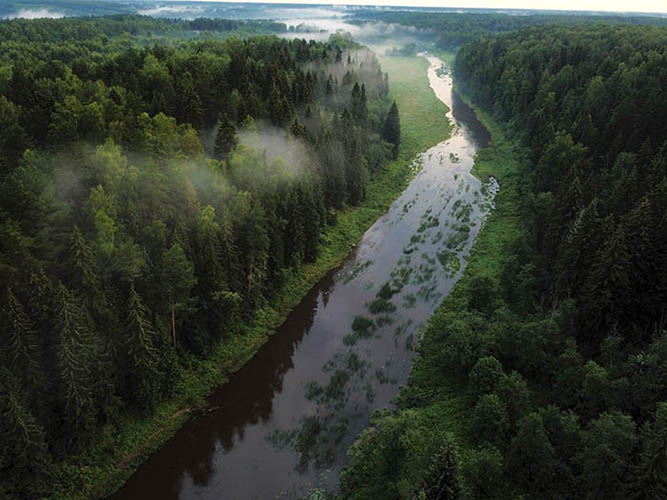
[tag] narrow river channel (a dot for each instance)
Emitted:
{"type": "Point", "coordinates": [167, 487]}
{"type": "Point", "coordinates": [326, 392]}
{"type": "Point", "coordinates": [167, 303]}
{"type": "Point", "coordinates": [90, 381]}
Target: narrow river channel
{"type": "Point", "coordinates": [284, 421]}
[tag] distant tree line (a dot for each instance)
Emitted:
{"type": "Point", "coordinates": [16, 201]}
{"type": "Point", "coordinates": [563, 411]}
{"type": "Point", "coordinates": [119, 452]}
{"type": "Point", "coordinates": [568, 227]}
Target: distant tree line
{"type": "Point", "coordinates": [151, 199]}
{"type": "Point", "coordinates": [549, 378]}
{"type": "Point", "coordinates": [450, 30]}
{"type": "Point", "coordinates": [70, 29]}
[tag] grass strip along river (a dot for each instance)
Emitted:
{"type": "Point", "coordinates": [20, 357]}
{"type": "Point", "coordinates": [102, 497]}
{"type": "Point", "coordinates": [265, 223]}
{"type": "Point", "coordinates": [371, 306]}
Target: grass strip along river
{"type": "Point", "coordinates": [282, 424]}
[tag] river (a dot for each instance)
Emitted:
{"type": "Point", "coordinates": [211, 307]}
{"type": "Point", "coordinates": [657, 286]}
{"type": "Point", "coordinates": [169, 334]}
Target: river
{"type": "Point", "coordinates": [284, 421]}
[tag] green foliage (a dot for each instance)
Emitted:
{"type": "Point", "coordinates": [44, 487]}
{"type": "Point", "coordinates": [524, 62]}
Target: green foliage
{"type": "Point", "coordinates": [144, 256]}
{"type": "Point", "coordinates": [490, 421]}
{"type": "Point", "coordinates": [563, 284]}
{"type": "Point", "coordinates": [482, 473]}
{"type": "Point", "coordinates": [225, 138]}
{"type": "Point", "coordinates": [651, 472]}
{"type": "Point", "coordinates": [451, 30]}
{"type": "Point", "coordinates": [485, 376]}
{"type": "Point", "coordinates": [606, 463]}
{"type": "Point", "coordinates": [407, 457]}
{"type": "Point", "coordinates": [392, 129]}
{"type": "Point", "coordinates": [24, 456]}
{"type": "Point", "coordinates": [555, 100]}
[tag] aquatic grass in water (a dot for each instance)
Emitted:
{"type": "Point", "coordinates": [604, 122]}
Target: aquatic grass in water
{"type": "Point", "coordinates": [358, 269]}
{"type": "Point", "coordinates": [409, 301]}
{"type": "Point", "coordinates": [445, 257]}
{"type": "Point", "coordinates": [430, 222]}
{"type": "Point", "coordinates": [428, 258]}
{"type": "Point", "coordinates": [362, 326]}
{"type": "Point", "coordinates": [409, 342]}
{"type": "Point", "coordinates": [386, 292]}
{"type": "Point", "coordinates": [381, 305]}
{"type": "Point", "coordinates": [383, 321]}
{"type": "Point", "coordinates": [313, 390]}
{"type": "Point", "coordinates": [424, 273]}
{"type": "Point", "coordinates": [458, 238]}
{"type": "Point", "coordinates": [463, 212]}
{"type": "Point", "coordinates": [400, 275]}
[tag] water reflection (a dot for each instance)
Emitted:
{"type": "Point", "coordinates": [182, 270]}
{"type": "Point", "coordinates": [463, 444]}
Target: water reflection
{"type": "Point", "coordinates": [286, 419]}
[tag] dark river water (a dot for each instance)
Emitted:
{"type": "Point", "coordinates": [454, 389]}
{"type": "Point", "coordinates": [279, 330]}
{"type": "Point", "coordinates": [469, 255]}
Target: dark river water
{"type": "Point", "coordinates": [285, 420]}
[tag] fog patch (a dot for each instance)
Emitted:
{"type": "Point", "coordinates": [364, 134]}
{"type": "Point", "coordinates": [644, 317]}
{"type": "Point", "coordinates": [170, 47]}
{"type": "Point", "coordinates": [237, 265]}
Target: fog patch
{"type": "Point", "coordinates": [275, 144]}
{"type": "Point", "coordinates": [35, 14]}
{"type": "Point", "coordinates": [171, 11]}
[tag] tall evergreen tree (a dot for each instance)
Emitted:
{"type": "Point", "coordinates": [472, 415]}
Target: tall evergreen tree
{"type": "Point", "coordinates": [144, 374]}
{"type": "Point", "coordinates": [225, 138]}
{"type": "Point", "coordinates": [392, 129]}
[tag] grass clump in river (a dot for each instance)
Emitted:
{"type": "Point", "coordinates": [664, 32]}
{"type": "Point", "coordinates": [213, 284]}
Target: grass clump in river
{"type": "Point", "coordinates": [400, 275]}
{"type": "Point", "coordinates": [362, 328]}
{"type": "Point", "coordinates": [358, 269]}
{"type": "Point", "coordinates": [409, 301]}
{"type": "Point", "coordinates": [383, 321]}
{"type": "Point", "coordinates": [459, 237]}
{"type": "Point", "coordinates": [380, 305]}
{"type": "Point", "coordinates": [450, 261]}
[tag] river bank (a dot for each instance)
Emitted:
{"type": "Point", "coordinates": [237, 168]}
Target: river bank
{"type": "Point", "coordinates": [122, 447]}
{"type": "Point", "coordinates": [435, 406]}
{"type": "Point", "coordinates": [284, 422]}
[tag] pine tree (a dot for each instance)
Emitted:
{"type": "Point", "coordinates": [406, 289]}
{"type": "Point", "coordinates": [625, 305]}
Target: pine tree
{"type": "Point", "coordinates": [651, 472]}
{"type": "Point", "coordinates": [75, 354]}
{"type": "Point", "coordinates": [392, 129]}
{"type": "Point", "coordinates": [225, 138]}
{"type": "Point", "coordinates": [144, 374]}
{"type": "Point", "coordinates": [21, 344]}
{"type": "Point", "coordinates": [358, 105]}
{"type": "Point", "coordinates": [179, 281]}
{"type": "Point", "coordinates": [23, 450]}
{"type": "Point", "coordinates": [298, 130]}
{"type": "Point", "coordinates": [85, 277]}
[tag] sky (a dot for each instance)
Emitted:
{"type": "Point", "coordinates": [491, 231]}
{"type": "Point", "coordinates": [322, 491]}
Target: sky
{"type": "Point", "coordinates": [591, 5]}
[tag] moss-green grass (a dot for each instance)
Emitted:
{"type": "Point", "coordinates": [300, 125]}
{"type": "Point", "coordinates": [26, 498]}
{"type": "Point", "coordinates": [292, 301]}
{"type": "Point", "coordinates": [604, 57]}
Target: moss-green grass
{"type": "Point", "coordinates": [423, 120]}
{"type": "Point", "coordinates": [447, 56]}
{"type": "Point", "coordinates": [122, 447]}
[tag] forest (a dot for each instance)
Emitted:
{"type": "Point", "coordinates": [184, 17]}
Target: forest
{"type": "Point", "coordinates": [544, 375]}
{"type": "Point", "coordinates": [450, 30]}
{"type": "Point", "coordinates": [152, 198]}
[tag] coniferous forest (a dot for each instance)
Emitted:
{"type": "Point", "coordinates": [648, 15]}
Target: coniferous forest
{"type": "Point", "coordinates": [152, 198]}
{"type": "Point", "coordinates": [162, 180]}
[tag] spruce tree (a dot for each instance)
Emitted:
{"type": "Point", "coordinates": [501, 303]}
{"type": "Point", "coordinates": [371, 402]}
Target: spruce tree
{"type": "Point", "coordinates": [225, 139]}
{"type": "Point", "coordinates": [21, 345]}
{"type": "Point", "coordinates": [75, 354]}
{"type": "Point", "coordinates": [144, 374]}
{"type": "Point", "coordinates": [392, 129]}
{"type": "Point", "coordinates": [23, 450]}
{"type": "Point", "coordinates": [651, 472]}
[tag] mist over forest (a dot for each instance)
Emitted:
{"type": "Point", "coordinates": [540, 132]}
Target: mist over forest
{"type": "Point", "coordinates": [331, 251]}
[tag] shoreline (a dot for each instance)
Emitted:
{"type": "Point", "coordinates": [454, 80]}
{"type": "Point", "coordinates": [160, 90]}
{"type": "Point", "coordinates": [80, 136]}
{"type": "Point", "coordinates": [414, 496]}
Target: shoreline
{"type": "Point", "coordinates": [105, 467]}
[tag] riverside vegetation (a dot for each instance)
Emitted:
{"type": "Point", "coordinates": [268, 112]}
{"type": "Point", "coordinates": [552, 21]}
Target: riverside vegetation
{"type": "Point", "coordinates": [543, 374]}
{"type": "Point", "coordinates": [162, 208]}
{"type": "Point", "coordinates": [166, 202]}
{"type": "Point", "coordinates": [166, 152]}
